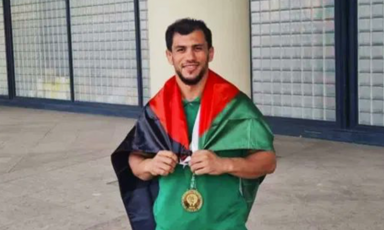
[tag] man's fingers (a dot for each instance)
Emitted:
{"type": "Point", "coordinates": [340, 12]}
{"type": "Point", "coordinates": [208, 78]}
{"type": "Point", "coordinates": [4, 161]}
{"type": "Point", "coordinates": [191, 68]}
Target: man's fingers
{"type": "Point", "coordinates": [162, 166]}
{"type": "Point", "coordinates": [202, 171]}
{"type": "Point", "coordinates": [170, 162]}
{"type": "Point", "coordinates": [166, 160]}
{"type": "Point", "coordinates": [162, 172]}
{"type": "Point", "coordinates": [195, 159]}
{"type": "Point", "coordinates": [165, 167]}
{"type": "Point", "coordinates": [174, 158]}
{"type": "Point", "coordinates": [169, 155]}
{"type": "Point", "coordinates": [198, 166]}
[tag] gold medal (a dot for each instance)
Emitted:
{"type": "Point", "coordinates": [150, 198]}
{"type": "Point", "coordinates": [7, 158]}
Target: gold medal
{"type": "Point", "coordinates": [192, 200]}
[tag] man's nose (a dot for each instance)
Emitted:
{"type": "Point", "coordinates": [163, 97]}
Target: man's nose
{"type": "Point", "coordinates": [190, 55]}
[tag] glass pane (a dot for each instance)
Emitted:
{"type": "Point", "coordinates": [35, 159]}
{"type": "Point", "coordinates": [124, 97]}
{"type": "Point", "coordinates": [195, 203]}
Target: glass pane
{"type": "Point", "coordinates": [293, 58]}
{"type": "Point", "coordinates": [371, 65]}
{"type": "Point", "coordinates": [40, 49]}
{"type": "Point", "coordinates": [104, 51]}
{"type": "Point", "coordinates": [144, 49]}
{"type": "Point", "coordinates": [3, 60]}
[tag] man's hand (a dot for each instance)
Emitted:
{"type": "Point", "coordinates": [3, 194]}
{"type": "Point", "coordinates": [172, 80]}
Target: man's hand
{"type": "Point", "coordinates": [207, 162]}
{"type": "Point", "coordinates": [162, 164]}
{"type": "Point", "coordinates": [257, 163]}
{"type": "Point", "coordinates": [146, 168]}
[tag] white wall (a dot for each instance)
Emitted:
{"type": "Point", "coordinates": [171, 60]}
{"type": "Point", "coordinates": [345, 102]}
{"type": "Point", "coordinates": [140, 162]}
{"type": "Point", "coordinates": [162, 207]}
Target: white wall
{"type": "Point", "coordinates": [229, 22]}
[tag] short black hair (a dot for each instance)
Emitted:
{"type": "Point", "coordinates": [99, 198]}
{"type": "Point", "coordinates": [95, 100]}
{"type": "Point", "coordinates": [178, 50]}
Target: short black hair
{"type": "Point", "coordinates": [186, 26]}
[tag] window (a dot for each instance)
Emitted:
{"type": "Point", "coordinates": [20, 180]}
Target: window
{"type": "Point", "coordinates": [3, 61]}
{"type": "Point", "coordinates": [293, 58]}
{"type": "Point", "coordinates": [104, 51]}
{"type": "Point", "coordinates": [40, 49]}
{"type": "Point", "coordinates": [371, 62]}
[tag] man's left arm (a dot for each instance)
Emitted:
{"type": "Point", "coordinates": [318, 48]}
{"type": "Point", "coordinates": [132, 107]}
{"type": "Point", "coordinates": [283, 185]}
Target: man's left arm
{"type": "Point", "coordinates": [255, 164]}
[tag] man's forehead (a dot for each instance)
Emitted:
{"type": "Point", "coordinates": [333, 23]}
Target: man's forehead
{"type": "Point", "coordinates": [196, 37]}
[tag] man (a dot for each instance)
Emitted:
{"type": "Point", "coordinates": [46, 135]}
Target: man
{"type": "Point", "coordinates": [199, 151]}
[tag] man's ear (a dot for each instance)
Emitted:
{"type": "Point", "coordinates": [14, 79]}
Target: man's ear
{"type": "Point", "coordinates": [211, 53]}
{"type": "Point", "coordinates": [169, 56]}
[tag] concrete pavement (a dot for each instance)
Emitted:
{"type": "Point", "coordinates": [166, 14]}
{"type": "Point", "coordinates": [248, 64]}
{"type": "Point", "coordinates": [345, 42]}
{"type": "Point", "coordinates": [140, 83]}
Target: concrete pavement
{"type": "Point", "coordinates": [55, 173]}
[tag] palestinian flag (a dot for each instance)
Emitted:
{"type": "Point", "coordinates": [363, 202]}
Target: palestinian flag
{"type": "Point", "coordinates": [227, 120]}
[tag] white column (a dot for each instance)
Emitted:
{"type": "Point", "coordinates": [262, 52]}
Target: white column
{"type": "Point", "coordinates": [230, 26]}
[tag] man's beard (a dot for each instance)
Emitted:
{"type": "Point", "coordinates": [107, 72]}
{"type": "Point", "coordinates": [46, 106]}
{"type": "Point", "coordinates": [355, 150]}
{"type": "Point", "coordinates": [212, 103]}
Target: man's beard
{"type": "Point", "coordinates": [192, 81]}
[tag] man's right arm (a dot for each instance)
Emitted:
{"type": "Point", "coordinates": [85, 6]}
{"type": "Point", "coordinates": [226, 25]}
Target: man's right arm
{"type": "Point", "coordinates": [146, 168]}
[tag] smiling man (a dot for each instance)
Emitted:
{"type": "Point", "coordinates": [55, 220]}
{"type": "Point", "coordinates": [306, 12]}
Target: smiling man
{"type": "Point", "coordinates": [200, 150]}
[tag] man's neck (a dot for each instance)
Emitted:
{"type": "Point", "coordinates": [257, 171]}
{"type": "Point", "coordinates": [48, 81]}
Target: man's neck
{"type": "Point", "coordinates": [191, 92]}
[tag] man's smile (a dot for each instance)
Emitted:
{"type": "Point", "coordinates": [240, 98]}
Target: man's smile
{"type": "Point", "coordinates": [190, 67]}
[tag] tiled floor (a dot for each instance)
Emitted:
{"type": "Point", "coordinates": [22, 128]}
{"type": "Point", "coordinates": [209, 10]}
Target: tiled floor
{"type": "Point", "coordinates": [55, 173]}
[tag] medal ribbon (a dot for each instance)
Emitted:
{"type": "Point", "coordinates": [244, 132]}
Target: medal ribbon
{"type": "Point", "coordinates": [194, 145]}
{"type": "Point", "coordinates": [193, 182]}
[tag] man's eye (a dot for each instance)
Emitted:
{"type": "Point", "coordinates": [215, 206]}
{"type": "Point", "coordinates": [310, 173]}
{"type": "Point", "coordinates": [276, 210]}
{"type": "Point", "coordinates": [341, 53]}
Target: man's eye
{"type": "Point", "coordinates": [198, 48]}
{"type": "Point", "coordinates": [179, 50]}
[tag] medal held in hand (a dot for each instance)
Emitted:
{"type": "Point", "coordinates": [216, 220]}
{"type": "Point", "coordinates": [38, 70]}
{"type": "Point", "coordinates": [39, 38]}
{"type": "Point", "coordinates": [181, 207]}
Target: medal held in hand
{"type": "Point", "coordinates": [192, 200]}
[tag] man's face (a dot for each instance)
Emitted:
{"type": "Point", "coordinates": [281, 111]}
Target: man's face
{"type": "Point", "coordinates": [190, 56]}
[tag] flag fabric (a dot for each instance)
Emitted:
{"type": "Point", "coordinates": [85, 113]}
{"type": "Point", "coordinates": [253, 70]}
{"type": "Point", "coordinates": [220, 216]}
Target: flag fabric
{"type": "Point", "coordinates": [227, 120]}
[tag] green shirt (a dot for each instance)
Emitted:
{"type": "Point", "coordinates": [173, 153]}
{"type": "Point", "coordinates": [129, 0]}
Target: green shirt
{"type": "Point", "coordinates": [224, 208]}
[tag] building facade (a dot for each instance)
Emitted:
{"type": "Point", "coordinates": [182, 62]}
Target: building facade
{"type": "Point", "coordinates": [314, 68]}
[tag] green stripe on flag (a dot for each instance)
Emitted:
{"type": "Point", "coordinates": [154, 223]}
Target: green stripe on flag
{"type": "Point", "coordinates": [239, 126]}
